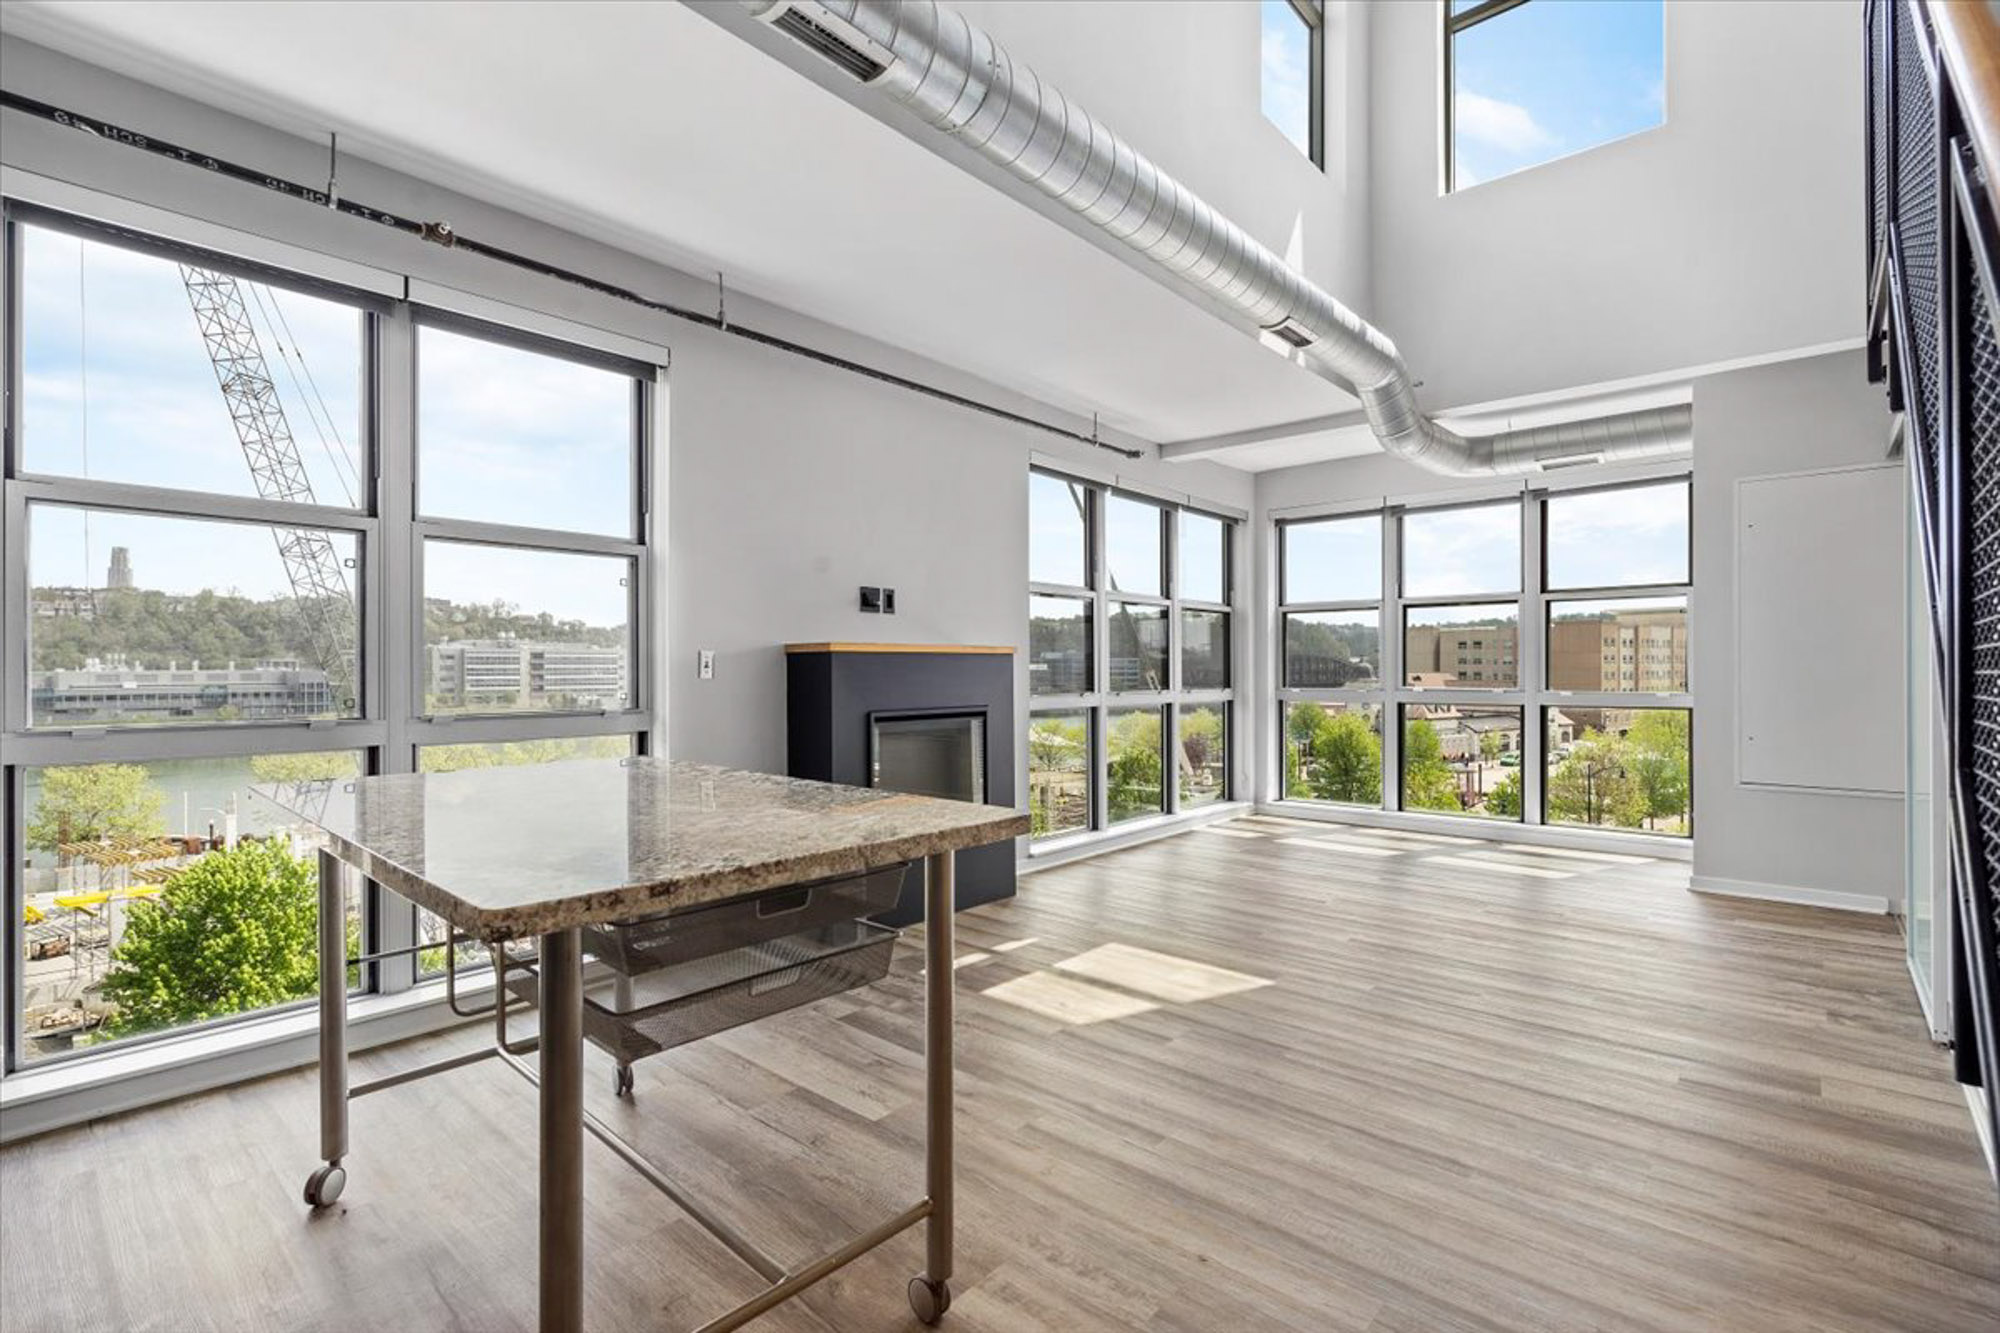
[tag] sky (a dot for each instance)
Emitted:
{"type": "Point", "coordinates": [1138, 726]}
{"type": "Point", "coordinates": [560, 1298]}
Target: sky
{"type": "Point", "coordinates": [118, 387]}
{"type": "Point", "coordinates": [1554, 77]}
{"type": "Point", "coordinates": [1287, 73]}
{"type": "Point", "coordinates": [1132, 552]}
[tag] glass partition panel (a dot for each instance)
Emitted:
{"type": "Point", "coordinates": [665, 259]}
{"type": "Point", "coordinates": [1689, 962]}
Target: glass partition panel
{"type": "Point", "coordinates": [1626, 645]}
{"type": "Point", "coordinates": [1058, 645]}
{"type": "Point", "coordinates": [1339, 650]}
{"type": "Point", "coordinates": [513, 630]}
{"type": "Point", "coordinates": [1201, 760]}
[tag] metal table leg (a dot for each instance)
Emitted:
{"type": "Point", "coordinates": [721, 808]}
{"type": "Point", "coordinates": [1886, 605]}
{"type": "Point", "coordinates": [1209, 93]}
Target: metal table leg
{"type": "Point", "coordinates": [325, 1184]}
{"type": "Point", "coordinates": [930, 1293]}
{"type": "Point", "coordinates": [561, 1002]}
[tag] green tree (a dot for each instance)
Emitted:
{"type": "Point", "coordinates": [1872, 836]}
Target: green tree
{"type": "Point", "coordinates": [1594, 785]}
{"type": "Point", "coordinates": [1505, 798]}
{"type": "Point", "coordinates": [322, 766]}
{"type": "Point", "coordinates": [1491, 745]}
{"type": "Point", "coordinates": [1658, 756]}
{"type": "Point", "coordinates": [86, 802]}
{"type": "Point", "coordinates": [1347, 760]}
{"type": "Point", "coordinates": [233, 932]}
{"type": "Point", "coordinates": [1428, 781]}
{"type": "Point", "coordinates": [1133, 766]}
{"type": "Point", "coordinates": [1303, 722]}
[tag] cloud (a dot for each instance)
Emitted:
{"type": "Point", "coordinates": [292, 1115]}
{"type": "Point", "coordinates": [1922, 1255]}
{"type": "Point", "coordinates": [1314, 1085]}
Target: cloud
{"type": "Point", "coordinates": [1287, 82]}
{"type": "Point", "coordinates": [1502, 125]}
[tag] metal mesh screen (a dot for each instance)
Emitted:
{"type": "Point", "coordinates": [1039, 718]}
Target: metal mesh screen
{"type": "Point", "coordinates": [1917, 199]}
{"type": "Point", "coordinates": [1981, 423]}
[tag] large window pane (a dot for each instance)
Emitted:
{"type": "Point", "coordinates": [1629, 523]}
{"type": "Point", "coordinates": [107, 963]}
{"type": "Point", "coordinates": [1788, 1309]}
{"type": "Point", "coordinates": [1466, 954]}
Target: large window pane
{"type": "Point", "coordinates": [1472, 550]}
{"type": "Point", "coordinates": [1610, 539]}
{"type": "Point", "coordinates": [1626, 768]}
{"type": "Point", "coordinates": [137, 619]}
{"type": "Point", "coordinates": [1286, 61]}
{"type": "Point", "coordinates": [513, 630]}
{"type": "Point", "coordinates": [1204, 650]}
{"type": "Point", "coordinates": [1333, 752]}
{"type": "Point", "coordinates": [1633, 644]}
{"type": "Point", "coordinates": [118, 380]}
{"type": "Point", "coordinates": [1462, 759]}
{"type": "Point", "coordinates": [157, 895]}
{"type": "Point", "coordinates": [1202, 761]}
{"type": "Point", "coordinates": [1138, 648]}
{"type": "Point", "coordinates": [1461, 647]}
{"type": "Point", "coordinates": [1204, 558]}
{"type": "Point", "coordinates": [1333, 650]}
{"type": "Point", "coordinates": [1545, 80]}
{"type": "Point", "coordinates": [1333, 560]}
{"type": "Point", "coordinates": [1133, 556]}
{"type": "Point", "coordinates": [1132, 764]}
{"type": "Point", "coordinates": [506, 435]}
{"type": "Point", "coordinates": [1058, 645]}
{"type": "Point", "coordinates": [1058, 773]}
{"type": "Point", "coordinates": [1058, 535]}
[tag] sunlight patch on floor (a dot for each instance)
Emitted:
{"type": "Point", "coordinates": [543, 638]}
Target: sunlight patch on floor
{"type": "Point", "coordinates": [1163, 976]}
{"type": "Point", "coordinates": [1068, 1000]}
{"type": "Point", "coordinates": [1336, 845]}
{"type": "Point", "coordinates": [1478, 861]}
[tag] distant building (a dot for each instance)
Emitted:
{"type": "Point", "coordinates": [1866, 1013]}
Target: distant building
{"type": "Point", "coordinates": [61, 603]}
{"type": "Point", "coordinates": [507, 672]}
{"type": "Point", "coordinates": [120, 573]}
{"type": "Point", "coordinates": [115, 692]}
{"type": "Point", "coordinates": [1630, 651]}
{"type": "Point", "coordinates": [1461, 654]}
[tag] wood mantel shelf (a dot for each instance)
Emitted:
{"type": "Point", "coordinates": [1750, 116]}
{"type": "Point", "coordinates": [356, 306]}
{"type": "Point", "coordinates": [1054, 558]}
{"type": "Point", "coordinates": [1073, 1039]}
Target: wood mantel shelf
{"type": "Point", "coordinates": [897, 648]}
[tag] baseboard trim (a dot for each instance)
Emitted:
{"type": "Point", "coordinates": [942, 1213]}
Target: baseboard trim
{"type": "Point", "coordinates": [1875, 904]}
{"type": "Point", "coordinates": [1049, 855]}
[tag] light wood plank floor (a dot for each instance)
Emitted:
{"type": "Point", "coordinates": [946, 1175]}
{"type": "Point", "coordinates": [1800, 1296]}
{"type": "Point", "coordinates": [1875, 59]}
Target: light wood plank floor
{"type": "Point", "coordinates": [1266, 1076]}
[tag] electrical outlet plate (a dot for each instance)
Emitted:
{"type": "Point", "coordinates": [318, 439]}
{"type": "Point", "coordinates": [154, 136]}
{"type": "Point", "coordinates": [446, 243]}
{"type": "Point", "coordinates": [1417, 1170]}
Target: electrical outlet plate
{"type": "Point", "coordinates": [888, 601]}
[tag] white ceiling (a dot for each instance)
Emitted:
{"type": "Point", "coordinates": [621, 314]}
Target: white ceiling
{"type": "Point", "coordinates": [650, 128]}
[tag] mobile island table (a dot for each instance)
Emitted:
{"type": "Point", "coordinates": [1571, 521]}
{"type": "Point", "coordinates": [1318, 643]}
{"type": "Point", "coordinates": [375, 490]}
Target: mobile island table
{"type": "Point", "coordinates": [705, 897]}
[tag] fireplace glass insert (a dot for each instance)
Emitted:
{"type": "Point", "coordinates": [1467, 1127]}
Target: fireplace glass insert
{"type": "Point", "coordinates": [929, 754]}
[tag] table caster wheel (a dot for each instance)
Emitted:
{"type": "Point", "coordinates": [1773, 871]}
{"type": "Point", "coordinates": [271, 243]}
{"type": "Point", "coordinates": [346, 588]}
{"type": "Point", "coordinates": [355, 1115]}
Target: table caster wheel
{"type": "Point", "coordinates": [621, 1081]}
{"type": "Point", "coordinates": [324, 1185]}
{"type": "Point", "coordinates": [929, 1299]}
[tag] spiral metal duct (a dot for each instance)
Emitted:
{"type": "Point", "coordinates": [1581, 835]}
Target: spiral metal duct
{"type": "Point", "coordinates": [962, 83]}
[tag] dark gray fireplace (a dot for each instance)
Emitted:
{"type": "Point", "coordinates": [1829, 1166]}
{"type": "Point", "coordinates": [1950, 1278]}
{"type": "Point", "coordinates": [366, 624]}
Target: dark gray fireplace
{"type": "Point", "coordinates": [935, 721]}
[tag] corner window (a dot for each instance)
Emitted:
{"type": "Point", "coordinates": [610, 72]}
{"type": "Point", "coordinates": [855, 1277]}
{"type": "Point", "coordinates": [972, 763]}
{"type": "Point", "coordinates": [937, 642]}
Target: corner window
{"type": "Point", "coordinates": [1529, 81]}
{"type": "Point", "coordinates": [1130, 601]}
{"type": "Point", "coordinates": [1292, 57]}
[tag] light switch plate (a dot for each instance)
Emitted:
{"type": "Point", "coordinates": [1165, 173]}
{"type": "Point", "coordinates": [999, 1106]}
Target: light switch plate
{"type": "Point", "coordinates": [708, 664]}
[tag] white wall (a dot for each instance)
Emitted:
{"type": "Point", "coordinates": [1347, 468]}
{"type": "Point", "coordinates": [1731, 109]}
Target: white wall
{"type": "Point", "coordinates": [1799, 416]}
{"type": "Point", "coordinates": [1733, 230]}
{"type": "Point", "coordinates": [789, 483]}
{"type": "Point", "coordinates": [1182, 83]}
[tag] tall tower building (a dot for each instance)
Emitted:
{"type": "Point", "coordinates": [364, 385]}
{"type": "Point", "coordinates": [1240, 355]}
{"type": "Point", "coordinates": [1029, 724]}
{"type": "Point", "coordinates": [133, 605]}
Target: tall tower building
{"type": "Point", "coordinates": [120, 574]}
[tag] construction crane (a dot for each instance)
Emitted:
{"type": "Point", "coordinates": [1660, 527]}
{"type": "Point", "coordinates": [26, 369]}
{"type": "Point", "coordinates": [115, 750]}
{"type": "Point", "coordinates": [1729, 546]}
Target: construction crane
{"type": "Point", "coordinates": [319, 584]}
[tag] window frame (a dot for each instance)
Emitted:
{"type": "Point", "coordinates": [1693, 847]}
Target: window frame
{"type": "Point", "coordinates": [1098, 701]}
{"type": "Point", "coordinates": [1312, 13]}
{"type": "Point", "coordinates": [1531, 694]}
{"type": "Point", "coordinates": [389, 727]}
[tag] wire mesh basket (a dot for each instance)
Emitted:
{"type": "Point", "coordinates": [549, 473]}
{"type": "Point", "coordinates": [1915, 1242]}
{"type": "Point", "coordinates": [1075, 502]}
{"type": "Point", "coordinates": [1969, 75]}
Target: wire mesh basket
{"type": "Point", "coordinates": [649, 943]}
{"type": "Point", "coordinates": [671, 1006]}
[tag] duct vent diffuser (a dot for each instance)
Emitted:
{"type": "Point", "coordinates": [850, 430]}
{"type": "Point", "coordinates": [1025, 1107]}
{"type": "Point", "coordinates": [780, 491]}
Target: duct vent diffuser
{"type": "Point", "coordinates": [1293, 332]}
{"type": "Point", "coordinates": [832, 38]}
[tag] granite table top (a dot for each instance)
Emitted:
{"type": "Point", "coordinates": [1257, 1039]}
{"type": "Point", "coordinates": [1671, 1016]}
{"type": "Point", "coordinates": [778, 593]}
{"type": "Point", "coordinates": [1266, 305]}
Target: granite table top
{"type": "Point", "coordinates": [505, 853]}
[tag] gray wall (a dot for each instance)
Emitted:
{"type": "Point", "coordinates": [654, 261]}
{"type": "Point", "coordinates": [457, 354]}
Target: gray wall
{"type": "Point", "coordinates": [1791, 417]}
{"type": "Point", "coordinates": [789, 483]}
